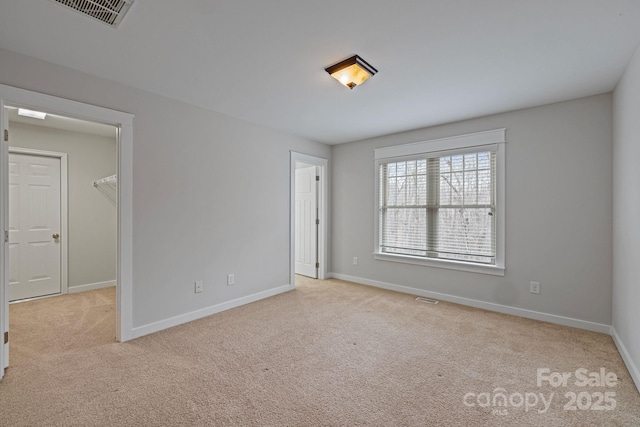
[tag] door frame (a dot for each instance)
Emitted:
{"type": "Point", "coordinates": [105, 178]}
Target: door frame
{"type": "Point", "coordinates": [15, 97]}
{"type": "Point", "coordinates": [64, 209]}
{"type": "Point", "coordinates": [323, 228]}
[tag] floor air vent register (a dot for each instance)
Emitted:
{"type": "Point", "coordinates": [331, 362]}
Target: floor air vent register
{"type": "Point", "coordinates": [109, 12]}
{"type": "Point", "coordinates": [427, 300]}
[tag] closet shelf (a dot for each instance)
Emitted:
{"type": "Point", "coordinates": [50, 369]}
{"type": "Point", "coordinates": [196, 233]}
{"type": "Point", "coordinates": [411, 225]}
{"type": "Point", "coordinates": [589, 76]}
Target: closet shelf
{"type": "Point", "coordinates": [108, 186]}
{"type": "Point", "coordinates": [111, 180]}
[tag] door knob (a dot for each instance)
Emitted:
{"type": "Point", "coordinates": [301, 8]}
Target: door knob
{"type": "Point", "coordinates": [56, 236]}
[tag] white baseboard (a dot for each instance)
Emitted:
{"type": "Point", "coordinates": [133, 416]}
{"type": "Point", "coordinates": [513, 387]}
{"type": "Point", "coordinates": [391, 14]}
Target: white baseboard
{"type": "Point", "coordinates": [90, 286]}
{"type": "Point", "coordinates": [529, 314]}
{"type": "Point", "coordinates": [204, 312]}
{"type": "Point", "coordinates": [631, 366]}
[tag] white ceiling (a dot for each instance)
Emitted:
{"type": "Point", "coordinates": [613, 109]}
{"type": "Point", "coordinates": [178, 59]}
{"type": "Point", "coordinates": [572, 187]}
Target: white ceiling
{"type": "Point", "coordinates": [263, 61]}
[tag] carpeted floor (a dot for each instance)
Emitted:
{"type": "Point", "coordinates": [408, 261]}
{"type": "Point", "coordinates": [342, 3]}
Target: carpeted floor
{"type": "Point", "coordinates": [328, 353]}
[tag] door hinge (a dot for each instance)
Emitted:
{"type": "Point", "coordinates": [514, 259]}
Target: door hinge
{"type": "Point", "coordinates": [317, 177]}
{"type": "Point", "coordinates": [6, 134]}
{"type": "Point", "coordinates": [6, 236]}
{"type": "Point", "coordinates": [6, 337]}
{"type": "Point", "coordinates": [317, 265]}
{"type": "Point", "coordinates": [317, 222]}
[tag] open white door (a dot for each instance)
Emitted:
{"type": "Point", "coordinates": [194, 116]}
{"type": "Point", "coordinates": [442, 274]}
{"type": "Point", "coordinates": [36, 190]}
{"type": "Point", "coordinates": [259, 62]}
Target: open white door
{"type": "Point", "coordinates": [4, 255]}
{"type": "Point", "coordinates": [321, 167]}
{"type": "Point", "coordinates": [306, 221]}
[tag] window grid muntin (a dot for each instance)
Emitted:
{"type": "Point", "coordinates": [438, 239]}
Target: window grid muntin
{"type": "Point", "coordinates": [468, 163]}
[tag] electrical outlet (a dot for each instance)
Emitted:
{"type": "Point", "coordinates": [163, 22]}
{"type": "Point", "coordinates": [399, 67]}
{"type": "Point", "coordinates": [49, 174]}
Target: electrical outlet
{"type": "Point", "coordinates": [199, 286]}
{"type": "Point", "coordinates": [231, 279]}
{"type": "Point", "coordinates": [355, 260]}
{"type": "Point", "coordinates": [534, 287]}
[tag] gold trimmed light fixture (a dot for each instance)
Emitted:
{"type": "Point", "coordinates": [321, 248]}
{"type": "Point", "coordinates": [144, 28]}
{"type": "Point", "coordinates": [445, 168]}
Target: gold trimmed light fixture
{"type": "Point", "coordinates": [351, 72]}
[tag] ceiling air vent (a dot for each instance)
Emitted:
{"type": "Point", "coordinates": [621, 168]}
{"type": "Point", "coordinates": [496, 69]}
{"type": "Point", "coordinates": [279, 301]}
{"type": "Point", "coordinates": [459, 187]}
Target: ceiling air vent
{"type": "Point", "coordinates": [110, 12]}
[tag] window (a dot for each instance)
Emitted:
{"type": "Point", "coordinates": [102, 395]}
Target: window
{"type": "Point", "coordinates": [441, 203]}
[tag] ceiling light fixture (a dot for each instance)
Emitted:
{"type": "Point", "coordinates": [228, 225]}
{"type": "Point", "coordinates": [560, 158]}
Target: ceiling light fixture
{"type": "Point", "coordinates": [351, 72]}
{"type": "Point", "coordinates": [30, 113]}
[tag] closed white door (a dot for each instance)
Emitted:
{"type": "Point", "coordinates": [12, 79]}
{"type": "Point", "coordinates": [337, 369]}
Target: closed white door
{"type": "Point", "coordinates": [306, 247]}
{"type": "Point", "coordinates": [34, 226]}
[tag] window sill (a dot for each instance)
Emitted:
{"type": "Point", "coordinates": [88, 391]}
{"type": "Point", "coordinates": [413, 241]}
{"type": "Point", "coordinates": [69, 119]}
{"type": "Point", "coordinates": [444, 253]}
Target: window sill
{"type": "Point", "coordinates": [441, 263]}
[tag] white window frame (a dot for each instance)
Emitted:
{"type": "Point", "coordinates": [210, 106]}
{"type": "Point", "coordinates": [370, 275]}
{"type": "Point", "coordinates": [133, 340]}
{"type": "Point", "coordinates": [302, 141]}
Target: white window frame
{"type": "Point", "coordinates": [461, 142]}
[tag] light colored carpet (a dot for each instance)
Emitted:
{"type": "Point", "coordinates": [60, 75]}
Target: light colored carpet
{"type": "Point", "coordinates": [328, 353]}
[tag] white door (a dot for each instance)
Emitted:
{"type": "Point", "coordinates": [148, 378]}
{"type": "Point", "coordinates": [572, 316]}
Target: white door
{"type": "Point", "coordinates": [4, 249]}
{"type": "Point", "coordinates": [306, 234]}
{"type": "Point", "coordinates": [34, 226]}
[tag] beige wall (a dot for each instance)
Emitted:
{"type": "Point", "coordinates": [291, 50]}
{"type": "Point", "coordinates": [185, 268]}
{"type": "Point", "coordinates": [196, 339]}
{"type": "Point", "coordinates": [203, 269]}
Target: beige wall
{"type": "Point", "coordinates": [558, 212]}
{"type": "Point", "coordinates": [626, 209]}
{"type": "Point", "coordinates": [92, 217]}
{"type": "Point", "coordinates": [210, 193]}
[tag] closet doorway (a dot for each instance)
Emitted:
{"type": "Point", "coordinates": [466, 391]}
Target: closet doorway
{"type": "Point", "coordinates": [62, 205]}
{"type": "Point", "coordinates": [123, 123]}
